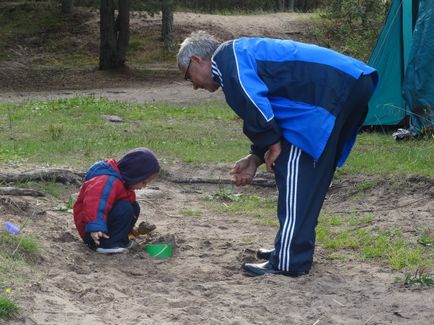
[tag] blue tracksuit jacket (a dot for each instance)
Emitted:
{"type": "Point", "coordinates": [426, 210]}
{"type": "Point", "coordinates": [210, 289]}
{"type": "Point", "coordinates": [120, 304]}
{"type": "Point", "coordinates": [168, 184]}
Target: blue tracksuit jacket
{"type": "Point", "coordinates": [286, 88]}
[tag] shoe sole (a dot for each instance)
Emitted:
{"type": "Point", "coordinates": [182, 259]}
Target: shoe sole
{"type": "Point", "coordinates": [108, 251]}
{"type": "Point", "coordinates": [251, 273]}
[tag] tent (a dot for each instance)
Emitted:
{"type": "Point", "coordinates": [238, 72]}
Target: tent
{"type": "Point", "coordinates": [404, 58]}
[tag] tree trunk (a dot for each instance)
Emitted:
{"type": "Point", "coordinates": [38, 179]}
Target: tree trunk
{"type": "Point", "coordinates": [281, 5]}
{"type": "Point", "coordinates": [167, 24]}
{"type": "Point", "coordinates": [114, 34]}
{"type": "Point", "coordinates": [291, 5]}
{"type": "Point", "coordinates": [66, 7]}
{"type": "Point", "coordinates": [123, 31]}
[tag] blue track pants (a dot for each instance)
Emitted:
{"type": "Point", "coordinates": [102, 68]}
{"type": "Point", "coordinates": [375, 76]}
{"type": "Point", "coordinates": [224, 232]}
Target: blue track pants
{"type": "Point", "coordinates": [303, 183]}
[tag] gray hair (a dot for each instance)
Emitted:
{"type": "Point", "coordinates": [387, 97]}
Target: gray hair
{"type": "Point", "coordinates": [199, 43]}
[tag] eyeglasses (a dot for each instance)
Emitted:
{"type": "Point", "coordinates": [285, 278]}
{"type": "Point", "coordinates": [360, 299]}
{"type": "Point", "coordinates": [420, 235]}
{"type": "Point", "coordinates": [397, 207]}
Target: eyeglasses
{"type": "Point", "coordinates": [186, 76]}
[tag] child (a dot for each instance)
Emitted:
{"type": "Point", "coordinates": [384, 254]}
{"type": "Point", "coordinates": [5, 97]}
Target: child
{"type": "Point", "coordinates": [106, 209]}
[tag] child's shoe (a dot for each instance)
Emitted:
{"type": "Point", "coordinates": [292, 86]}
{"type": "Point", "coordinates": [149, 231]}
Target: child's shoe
{"type": "Point", "coordinates": [113, 250]}
{"type": "Point", "coordinates": [116, 250]}
{"type": "Point", "coordinates": [131, 244]}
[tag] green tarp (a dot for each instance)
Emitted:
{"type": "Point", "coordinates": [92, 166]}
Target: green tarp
{"type": "Point", "coordinates": [418, 85]}
{"type": "Point", "coordinates": [404, 59]}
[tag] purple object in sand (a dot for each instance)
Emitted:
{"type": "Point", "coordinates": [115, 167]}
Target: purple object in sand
{"type": "Point", "coordinates": [12, 228]}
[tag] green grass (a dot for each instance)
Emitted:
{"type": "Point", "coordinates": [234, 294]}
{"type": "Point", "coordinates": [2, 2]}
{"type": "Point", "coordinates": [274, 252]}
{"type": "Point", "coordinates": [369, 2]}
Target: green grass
{"type": "Point", "coordinates": [16, 252]}
{"type": "Point", "coordinates": [419, 278]}
{"type": "Point", "coordinates": [148, 48]}
{"type": "Point", "coordinates": [74, 133]}
{"type": "Point", "coordinates": [26, 20]}
{"type": "Point", "coordinates": [376, 153]}
{"type": "Point", "coordinates": [356, 235]}
{"type": "Point", "coordinates": [19, 247]}
{"type": "Point", "coordinates": [8, 308]}
{"type": "Point", "coordinates": [245, 204]}
{"type": "Point", "coordinates": [426, 237]}
{"type": "Point", "coordinates": [23, 23]}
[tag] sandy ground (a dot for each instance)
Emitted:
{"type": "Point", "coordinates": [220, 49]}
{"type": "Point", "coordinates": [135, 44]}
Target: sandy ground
{"type": "Point", "coordinates": [202, 283]}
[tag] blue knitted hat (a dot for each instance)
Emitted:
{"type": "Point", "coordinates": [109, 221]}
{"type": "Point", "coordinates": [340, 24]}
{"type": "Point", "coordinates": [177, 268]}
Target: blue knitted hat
{"type": "Point", "coordinates": [137, 165]}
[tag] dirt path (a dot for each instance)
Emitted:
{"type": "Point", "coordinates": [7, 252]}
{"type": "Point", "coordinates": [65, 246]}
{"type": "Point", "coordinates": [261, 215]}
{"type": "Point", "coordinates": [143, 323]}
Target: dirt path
{"type": "Point", "coordinates": [176, 92]}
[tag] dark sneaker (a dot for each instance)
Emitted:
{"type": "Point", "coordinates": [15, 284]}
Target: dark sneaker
{"type": "Point", "coordinates": [254, 269]}
{"type": "Point", "coordinates": [264, 254]}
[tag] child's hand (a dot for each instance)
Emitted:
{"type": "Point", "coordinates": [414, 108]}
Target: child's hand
{"type": "Point", "coordinates": [96, 236]}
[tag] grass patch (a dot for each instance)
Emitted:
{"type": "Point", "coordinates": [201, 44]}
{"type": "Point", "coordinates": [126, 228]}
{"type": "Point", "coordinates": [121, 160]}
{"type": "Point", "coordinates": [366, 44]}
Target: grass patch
{"type": "Point", "coordinates": [23, 23]}
{"type": "Point", "coordinates": [376, 153]}
{"type": "Point", "coordinates": [19, 247]}
{"type": "Point", "coordinates": [245, 204]}
{"type": "Point", "coordinates": [16, 252]}
{"type": "Point", "coordinates": [8, 308]}
{"type": "Point", "coordinates": [54, 189]}
{"type": "Point", "coordinates": [419, 278]}
{"type": "Point", "coordinates": [148, 48]}
{"type": "Point", "coordinates": [426, 237]}
{"type": "Point", "coordinates": [73, 132]}
{"type": "Point", "coordinates": [355, 235]}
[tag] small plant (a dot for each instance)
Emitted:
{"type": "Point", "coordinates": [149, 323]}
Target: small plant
{"type": "Point", "coordinates": [226, 195]}
{"type": "Point", "coordinates": [70, 203]}
{"type": "Point", "coordinates": [419, 278]}
{"type": "Point", "coordinates": [55, 131]}
{"type": "Point", "coordinates": [19, 246]}
{"type": "Point", "coordinates": [8, 308]}
{"type": "Point", "coordinates": [426, 238]}
{"type": "Point", "coordinates": [365, 186]}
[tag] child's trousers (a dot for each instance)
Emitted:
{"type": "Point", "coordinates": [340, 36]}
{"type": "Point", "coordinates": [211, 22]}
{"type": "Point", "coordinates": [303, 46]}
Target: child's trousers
{"type": "Point", "coordinates": [120, 222]}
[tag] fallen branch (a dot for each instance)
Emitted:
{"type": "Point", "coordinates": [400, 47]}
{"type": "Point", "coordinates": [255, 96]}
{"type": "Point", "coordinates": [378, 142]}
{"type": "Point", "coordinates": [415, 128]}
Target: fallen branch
{"type": "Point", "coordinates": [19, 191]}
{"type": "Point", "coordinates": [200, 180]}
{"type": "Point", "coordinates": [63, 176]}
{"type": "Point", "coordinates": [66, 176]}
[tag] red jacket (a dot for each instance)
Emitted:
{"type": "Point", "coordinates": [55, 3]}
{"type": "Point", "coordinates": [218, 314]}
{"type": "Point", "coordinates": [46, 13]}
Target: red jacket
{"type": "Point", "coordinates": [103, 187]}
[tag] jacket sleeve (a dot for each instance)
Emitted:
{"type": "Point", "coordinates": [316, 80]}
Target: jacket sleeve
{"type": "Point", "coordinates": [98, 200]}
{"type": "Point", "coordinates": [246, 93]}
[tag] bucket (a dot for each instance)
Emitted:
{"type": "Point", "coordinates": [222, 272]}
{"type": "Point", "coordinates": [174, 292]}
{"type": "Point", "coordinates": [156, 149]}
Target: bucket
{"type": "Point", "coordinates": [161, 250]}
